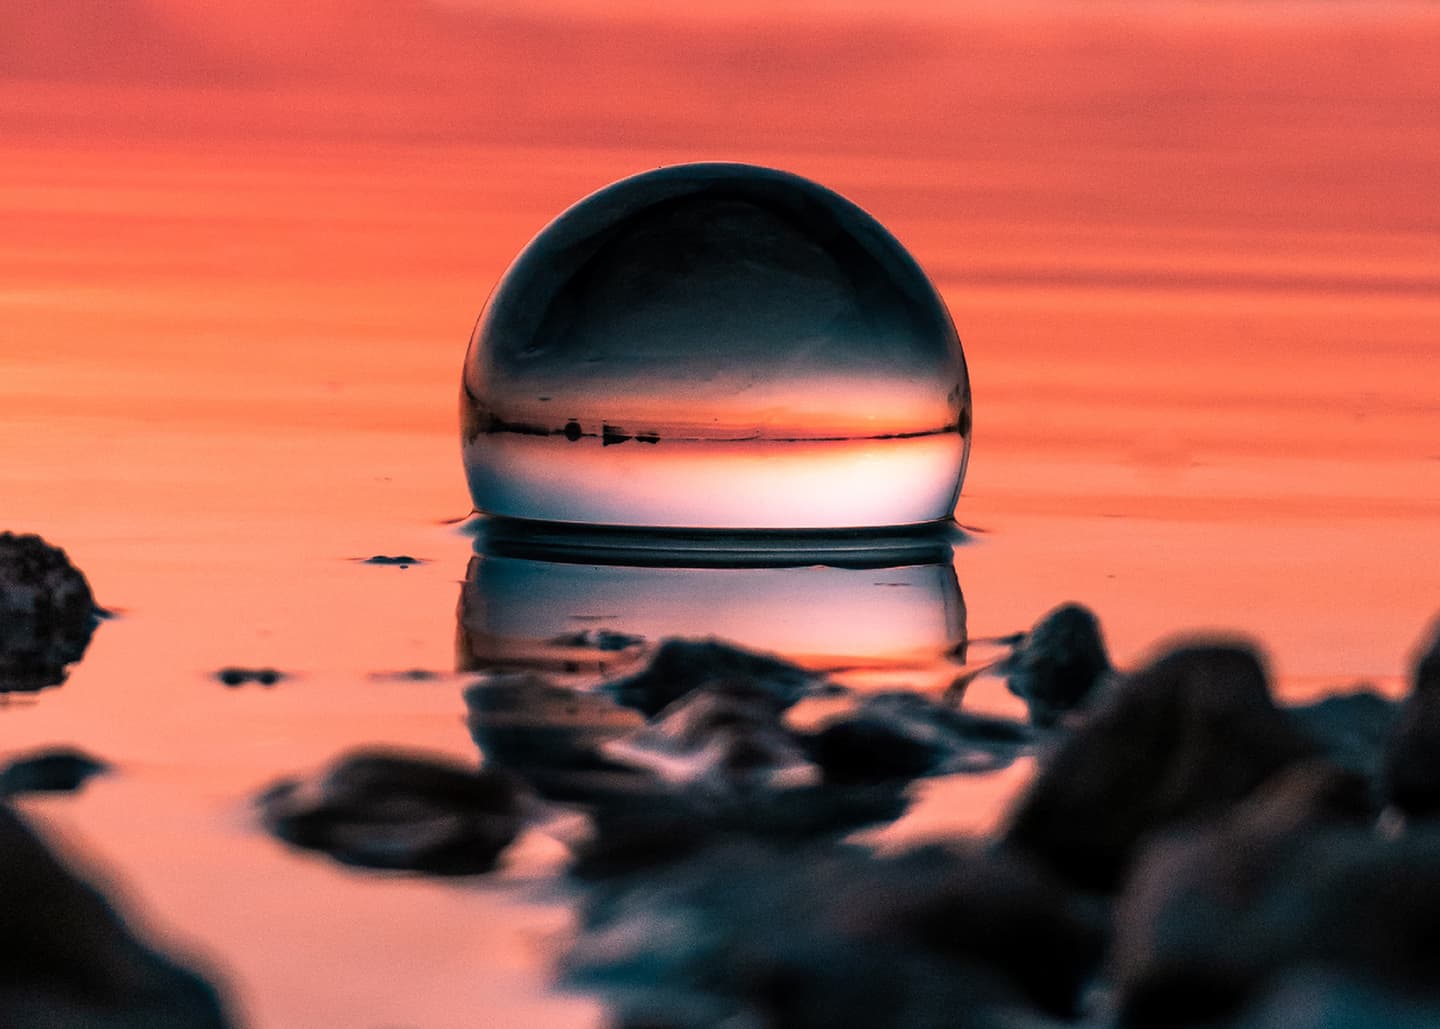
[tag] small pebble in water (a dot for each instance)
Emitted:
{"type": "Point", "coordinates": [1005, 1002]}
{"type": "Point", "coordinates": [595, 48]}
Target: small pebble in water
{"type": "Point", "coordinates": [233, 676]}
{"type": "Point", "coordinates": [53, 770]}
{"type": "Point", "coordinates": [716, 346]}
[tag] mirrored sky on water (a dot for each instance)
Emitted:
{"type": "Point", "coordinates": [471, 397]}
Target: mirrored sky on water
{"type": "Point", "coordinates": [1191, 250]}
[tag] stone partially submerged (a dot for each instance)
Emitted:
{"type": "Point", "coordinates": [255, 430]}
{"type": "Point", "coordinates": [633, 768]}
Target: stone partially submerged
{"type": "Point", "coordinates": [47, 614]}
{"type": "Point", "coordinates": [720, 760]}
{"type": "Point", "coordinates": [67, 957]}
{"type": "Point", "coordinates": [679, 666]}
{"type": "Point", "coordinates": [386, 809]}
{"type": "Point", "coordinates": [896, 735]}
{"type": "Point", "coordinates": [52, 770]}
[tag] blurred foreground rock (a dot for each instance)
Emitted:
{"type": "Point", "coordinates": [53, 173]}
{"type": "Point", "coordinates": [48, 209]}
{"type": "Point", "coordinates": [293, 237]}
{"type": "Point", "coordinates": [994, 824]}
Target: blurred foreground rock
{"type": "Point", "coordinates": [47, 614]}
{"type": "Point", "coordinates": [53, 770]}
{"type": "Point", "coordinates": [384, 809]}
{"type": "Point", "coordinates": [754, 935]}
{"type": "Point", "coordinates": [67, 958]}
{"type": "Point", "coordinates": [1183, 739]}
{"type": "Point", "coordinates": [1217, 916]}
{"type": "Point", "coordinates": [1412, 757]}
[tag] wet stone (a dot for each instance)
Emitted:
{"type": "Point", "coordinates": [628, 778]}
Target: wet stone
{"type": "Point", "coordinates": [1058, 664]}
{"type": "Point", "coordinates": [1412, 755]}
{"type": "Point", "coordinates": [386, 809]}
{"type": "Point", "coordinates": [824, 935]}
{"type": "Point", "coordinates": [47, 614]}
{"type": "Point", "coordinates": [67, 958]}
{"type": "Point", "coordinates": [1184, 738]}
{"type": "Point", "coordinates": [682, 665]}
{"type": "Point", "coordinates": [1351, 728]}
{"type": "Point", "coordinates": [1218, 914]}
{"type": "Point", "coordinates": [903, 735]}
{"type": "Point", "coordinates": [606, 640]}
{"type": "Point", "coordinates": [233, 676]}
{"type": "Point", "coordinates": [726, 737]}
{"type": "Point", "coordinates": [1311, 998]}
{"type": "Point", "coordinates": [53, 770]}
{"type": "Point", "coordinates": [524, 722]}
{"type": "Point", "coordinates": [398, 560]}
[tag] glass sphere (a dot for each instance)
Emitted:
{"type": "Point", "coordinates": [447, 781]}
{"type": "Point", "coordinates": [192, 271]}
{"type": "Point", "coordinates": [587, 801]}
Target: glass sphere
{"type": "Point", "coordinates": [716, 346]}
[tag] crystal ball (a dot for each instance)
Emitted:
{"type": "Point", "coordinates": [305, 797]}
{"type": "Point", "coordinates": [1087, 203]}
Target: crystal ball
{"type": "Point", "coordinates": [716, 346]}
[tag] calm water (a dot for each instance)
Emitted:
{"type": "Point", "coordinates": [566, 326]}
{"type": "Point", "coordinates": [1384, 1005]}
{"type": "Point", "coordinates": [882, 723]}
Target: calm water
{"type": "Point", "coordinates": [1200, 334]}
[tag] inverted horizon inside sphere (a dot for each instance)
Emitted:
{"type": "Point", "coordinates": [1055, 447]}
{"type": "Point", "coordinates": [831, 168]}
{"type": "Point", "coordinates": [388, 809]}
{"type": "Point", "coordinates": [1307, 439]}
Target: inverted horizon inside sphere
{"type": "Point", "coordinates": [716, 346]}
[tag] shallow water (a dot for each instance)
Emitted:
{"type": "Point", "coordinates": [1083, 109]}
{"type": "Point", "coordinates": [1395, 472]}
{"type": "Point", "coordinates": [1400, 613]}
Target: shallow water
{"type": "Point", "coordinates": [1201, 341]}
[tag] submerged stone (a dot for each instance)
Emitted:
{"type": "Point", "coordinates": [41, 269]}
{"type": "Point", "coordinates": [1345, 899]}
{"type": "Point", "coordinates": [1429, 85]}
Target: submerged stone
{"type": "Point", "coordinates": [900, 735]}
{"type": "Point", "coordinates": [53, 770]}
{"type": "Point", "coordinates": [386, 809]}
{"type": "Point", "coordinates": [679, 666]}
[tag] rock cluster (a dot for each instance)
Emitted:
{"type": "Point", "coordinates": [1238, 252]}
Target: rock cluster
{"type": "Point", "coordinates": [1189, 851]}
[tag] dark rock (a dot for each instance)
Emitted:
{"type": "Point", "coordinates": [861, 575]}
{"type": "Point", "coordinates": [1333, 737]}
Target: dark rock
{"type": "Point", "coordinates": [680, 665]}
{"type": "Point", "coordinates": [1411, 778]}
{"type": "Point", "coordinates": [858, 750]}
{"type": "Point", "coordinates": [47, 614]}
{"type": "Point", "coordinates": [1350, 728]}
{"type": "Point", "coordinates": [606, 640]}
{"type": "Point", "coordinates": [1184, 738]}
{"type": "Point", "coordinates": [399, 560]}
{"type": "Point", "coordinates": [720, 760]}
{"type": "Point", "coordinates": [1058, 664]}
{"type": "Point", "coordinates": [232, 676]}
{"type": "Point", "coordinates": [68, 959]}
{"type": "Point", "coordinates": [384, 809]}
{"type": "Point", "coordinates": [898, 735]}
{"type": "Point", "coordinates": [527, 723]}
{"type": "Point", "coordinates": [56, 770]}
{"type": "Point", "coordinates": [1216, 915]}
{"type": "Point", "coordinates": [829, 935]}
{"type": "Point", "coordinates": [724, 738]}
{"type": "Point", "coordinates": [406, 675]}
{"type": "Point", "coordinates": [1312, 998]}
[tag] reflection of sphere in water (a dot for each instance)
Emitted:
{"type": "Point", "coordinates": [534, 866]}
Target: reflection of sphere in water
{"type": "Point", "coordinates": [716, 346]}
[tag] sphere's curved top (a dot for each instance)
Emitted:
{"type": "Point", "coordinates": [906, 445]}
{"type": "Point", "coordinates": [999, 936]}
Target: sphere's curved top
{"type": "Point", "coordinates": [712, 303]}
